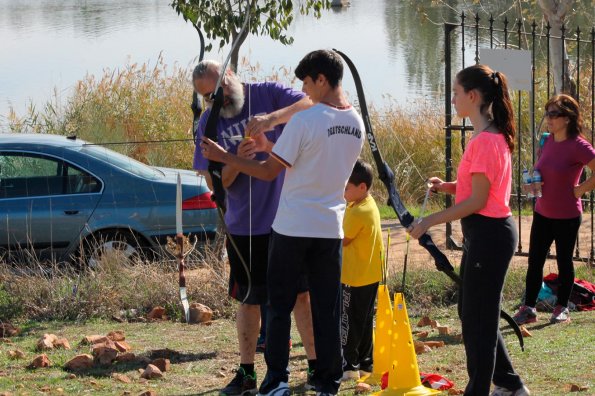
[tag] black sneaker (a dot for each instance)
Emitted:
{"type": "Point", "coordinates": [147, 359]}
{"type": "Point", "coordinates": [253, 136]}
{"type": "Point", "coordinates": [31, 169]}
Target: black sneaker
{"type": "Point", "coordinates": [241, 385]}
{"type": "Point", "coordinates": [310, 385]}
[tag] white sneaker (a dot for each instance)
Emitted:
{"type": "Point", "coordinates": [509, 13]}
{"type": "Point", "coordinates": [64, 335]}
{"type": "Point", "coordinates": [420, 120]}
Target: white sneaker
{"type": "Point", "coordinates": [350, 375]}
{"type": "Point", "coordinates": [280, 390]}
{"type": "Point", "coordinates": [499, 391]}
{"type": "Point", "coordinates": [560, 315]}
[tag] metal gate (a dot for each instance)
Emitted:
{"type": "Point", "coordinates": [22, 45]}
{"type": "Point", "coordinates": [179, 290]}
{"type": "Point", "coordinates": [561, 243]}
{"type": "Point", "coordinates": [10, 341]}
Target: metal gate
{"type": "Point", "coordinates": [580, 48]}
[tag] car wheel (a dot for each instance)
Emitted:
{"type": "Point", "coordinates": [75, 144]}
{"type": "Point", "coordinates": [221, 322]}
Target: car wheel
{"type": "Point", "coordinates": [121, 243]}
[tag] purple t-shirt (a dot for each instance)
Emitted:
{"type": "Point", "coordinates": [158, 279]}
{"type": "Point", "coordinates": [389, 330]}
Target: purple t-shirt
{"type": "Point", "coordinates": [560, 165]}
{"type": "Point", "coordinates": [263, 98]}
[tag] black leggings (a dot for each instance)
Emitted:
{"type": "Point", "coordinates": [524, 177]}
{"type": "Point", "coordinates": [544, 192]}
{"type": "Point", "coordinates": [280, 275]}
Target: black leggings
{"type": "Point", "coordinates": [489, 247]}
{"type": "Point", "coordinates": [544, 231]}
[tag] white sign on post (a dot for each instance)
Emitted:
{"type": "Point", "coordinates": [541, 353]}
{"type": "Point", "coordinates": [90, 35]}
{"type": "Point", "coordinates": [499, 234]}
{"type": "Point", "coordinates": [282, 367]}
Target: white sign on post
{"type": "Point", "coordinates": [515, 64]}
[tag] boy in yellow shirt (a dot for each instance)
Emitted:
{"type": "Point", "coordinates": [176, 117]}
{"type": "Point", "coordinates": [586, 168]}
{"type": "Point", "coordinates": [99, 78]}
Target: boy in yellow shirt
{"type": "Point", "coordinates": [361, 272]}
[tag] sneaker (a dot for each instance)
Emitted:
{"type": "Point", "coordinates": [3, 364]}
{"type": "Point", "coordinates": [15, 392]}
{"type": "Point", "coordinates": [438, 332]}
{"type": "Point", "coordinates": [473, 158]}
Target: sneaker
{"type": "Point", "coordinates": [525, 315]}
{"type": "Point", "coordinates": [350, 375]}
{"type": "Point", "coordinates": [499, 391]}
{"type": "Point", "coordinates": [560, 315]}
{"type": "Point", "coordinates": [325, 394]}
{"type": "Point", "coordinates": [282, 389]}
{"type": "Point", "coordinates": [310, 385]}
{"type": "Point", "coordinates": [241, 385]}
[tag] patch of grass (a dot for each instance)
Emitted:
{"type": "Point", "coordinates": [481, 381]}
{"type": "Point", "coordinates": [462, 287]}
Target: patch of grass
{"type": "Point", "coordinates": [10, 306]}
{"type": "Point", "coordinates": [203, 357]}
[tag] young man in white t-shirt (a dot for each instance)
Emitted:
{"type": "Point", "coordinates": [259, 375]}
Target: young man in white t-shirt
{"type": "Point", "coordinates": [318, 149]}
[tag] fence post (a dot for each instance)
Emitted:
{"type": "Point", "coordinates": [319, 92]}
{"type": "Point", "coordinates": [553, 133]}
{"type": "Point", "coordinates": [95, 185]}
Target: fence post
{"type": "Point", "coordinates": [448, 28]}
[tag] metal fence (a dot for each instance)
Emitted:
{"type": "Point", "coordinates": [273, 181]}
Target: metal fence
{"type": "Point", "coordinates": [580, 49]}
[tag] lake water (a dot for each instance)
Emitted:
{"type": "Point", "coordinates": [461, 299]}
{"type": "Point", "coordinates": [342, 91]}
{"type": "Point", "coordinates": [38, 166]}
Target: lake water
{"type": "Point", "coordinates": [46, 46]}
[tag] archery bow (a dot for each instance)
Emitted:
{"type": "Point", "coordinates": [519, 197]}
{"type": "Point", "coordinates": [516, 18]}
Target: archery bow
{"type": "Point", "coordinates": [196, 112]}
{"type": "Point", "coordinates": [214, 167]}
{"type": "Point", "coordinates": [180, 252]}
{"type": "Point", "coordinates": [387, 177]}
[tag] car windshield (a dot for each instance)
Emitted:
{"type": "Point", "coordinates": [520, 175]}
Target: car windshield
{"type": "Point", "coordinates": [122, 161]}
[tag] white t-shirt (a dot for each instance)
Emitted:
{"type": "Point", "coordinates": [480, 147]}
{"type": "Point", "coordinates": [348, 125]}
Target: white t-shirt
{"type": "Point", "coordinates": [319, 147]}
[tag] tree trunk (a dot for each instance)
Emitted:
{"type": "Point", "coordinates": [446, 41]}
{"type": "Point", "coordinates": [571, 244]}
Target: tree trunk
{"type": "Point", "coordinates": [555, 12]}
{"type": "Point", "coordinates": [233, 62]}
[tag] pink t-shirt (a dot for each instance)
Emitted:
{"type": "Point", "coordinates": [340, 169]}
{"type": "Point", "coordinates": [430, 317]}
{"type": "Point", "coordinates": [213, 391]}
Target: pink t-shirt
{"type": "Point", "coordinates": [560, 165]}
{"type": "Point", "coordinates": [489, 154]}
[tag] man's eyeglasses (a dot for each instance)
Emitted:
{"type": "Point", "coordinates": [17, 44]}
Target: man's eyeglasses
{"type": "Point", "coordinates": [554, 114]}
{"type": "Point", "coordinates": [208, 97]}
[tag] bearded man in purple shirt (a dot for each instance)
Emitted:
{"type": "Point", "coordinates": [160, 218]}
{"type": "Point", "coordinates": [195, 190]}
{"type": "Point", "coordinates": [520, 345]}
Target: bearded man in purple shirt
{"type": "Point", "coordinates": [249, 109]}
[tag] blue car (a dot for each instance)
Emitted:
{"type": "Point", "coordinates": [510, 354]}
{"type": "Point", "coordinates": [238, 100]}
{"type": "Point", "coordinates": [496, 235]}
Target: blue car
{"type": "Point", "coordinates": [62, 198]}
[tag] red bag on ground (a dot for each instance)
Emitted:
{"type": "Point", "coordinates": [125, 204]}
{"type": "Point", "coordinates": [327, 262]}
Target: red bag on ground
{"type": "Point", "coordinates": [582, 295]}
{"type": "Point", "coordinates": [432, 381]}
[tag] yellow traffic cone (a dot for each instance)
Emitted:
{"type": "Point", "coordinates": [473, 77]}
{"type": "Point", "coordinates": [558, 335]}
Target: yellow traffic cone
{"type": "Point", "coordinates": [382, 337]}
{"type": "Point", "coordinates": [403, 376]}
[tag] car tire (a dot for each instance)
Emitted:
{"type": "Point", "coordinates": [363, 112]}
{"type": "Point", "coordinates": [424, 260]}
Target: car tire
{"type": "Point", "coordinates": [99, 244]}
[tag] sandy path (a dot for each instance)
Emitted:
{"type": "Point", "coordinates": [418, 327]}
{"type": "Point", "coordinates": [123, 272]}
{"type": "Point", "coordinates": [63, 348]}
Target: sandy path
{"type": "Point", "coordinates": [418, 256]}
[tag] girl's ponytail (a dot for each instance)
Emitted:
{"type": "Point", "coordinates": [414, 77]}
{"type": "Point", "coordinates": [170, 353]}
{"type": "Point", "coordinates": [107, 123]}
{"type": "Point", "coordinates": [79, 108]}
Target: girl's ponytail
{"type": "Point", "coordinates": [493, 87]}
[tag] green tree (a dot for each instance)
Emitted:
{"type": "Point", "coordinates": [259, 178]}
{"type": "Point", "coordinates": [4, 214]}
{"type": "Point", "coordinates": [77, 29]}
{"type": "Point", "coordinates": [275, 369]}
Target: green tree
{"type": "Point", "coordinates": [223, 19]}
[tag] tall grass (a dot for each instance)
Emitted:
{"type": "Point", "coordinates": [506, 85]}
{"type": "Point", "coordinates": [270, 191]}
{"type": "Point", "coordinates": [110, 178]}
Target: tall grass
{"type": "Point", "coordinates": [134, 104]}
{"type": "Point", "coordinates": [140, 103]}
{"type": "Point", "coordinates": [116, 287]}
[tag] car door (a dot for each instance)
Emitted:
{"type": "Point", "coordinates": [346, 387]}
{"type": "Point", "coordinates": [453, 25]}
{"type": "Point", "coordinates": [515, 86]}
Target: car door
{"type": "Point", "coordinates": [44, 203]}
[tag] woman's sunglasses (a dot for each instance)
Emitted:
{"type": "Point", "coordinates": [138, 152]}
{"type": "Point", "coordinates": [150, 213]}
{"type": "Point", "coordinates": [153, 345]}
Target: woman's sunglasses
{"type": "Point", "coordinates": [554, 114]}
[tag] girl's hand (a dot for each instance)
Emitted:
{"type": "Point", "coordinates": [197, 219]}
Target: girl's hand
{"type": "Point", "coordinates": [416, 230]}
{"type": "Point", "coordinates": [437, 184]}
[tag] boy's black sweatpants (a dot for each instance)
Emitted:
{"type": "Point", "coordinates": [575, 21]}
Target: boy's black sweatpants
{"type": "Point", "coordinates": [489, 246]}
{"type": "Point", "coordinates": [319, 259]}
{"type": "Point", "coordinates": [357, 322]}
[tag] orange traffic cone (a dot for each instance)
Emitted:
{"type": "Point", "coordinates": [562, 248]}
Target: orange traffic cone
{"type": "Point", "coordinates": [403, 376]}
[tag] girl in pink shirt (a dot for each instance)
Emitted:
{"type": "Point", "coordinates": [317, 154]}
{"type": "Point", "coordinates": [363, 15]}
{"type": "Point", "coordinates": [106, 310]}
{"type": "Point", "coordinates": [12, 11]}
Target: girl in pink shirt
{"type": "Point", "coordinates": [482, 195]}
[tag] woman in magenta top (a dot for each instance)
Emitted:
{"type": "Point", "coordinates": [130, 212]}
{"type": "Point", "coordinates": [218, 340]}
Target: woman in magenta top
{"type": "Point", "coordinates": [557, 215]}
{"type": "Point", "coordinates": [482, 195]}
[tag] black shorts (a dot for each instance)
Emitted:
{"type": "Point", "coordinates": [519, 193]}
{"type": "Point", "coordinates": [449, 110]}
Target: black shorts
{"type": "Point", "coordinates": [238, 279]}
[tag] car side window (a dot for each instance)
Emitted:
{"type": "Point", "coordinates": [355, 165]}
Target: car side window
{"type": "Point", "coordinates": [81, 182]}
{"type": "Point", "coordinates": [25, 175]}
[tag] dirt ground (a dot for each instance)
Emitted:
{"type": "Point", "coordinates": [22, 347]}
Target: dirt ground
{"type": "Point", "coordinates": [419, 257]}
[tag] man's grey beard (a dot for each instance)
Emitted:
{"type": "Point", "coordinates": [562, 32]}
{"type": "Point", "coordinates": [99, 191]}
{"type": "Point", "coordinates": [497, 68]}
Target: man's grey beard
{"type": "Point", "coordinates": [235, 99]}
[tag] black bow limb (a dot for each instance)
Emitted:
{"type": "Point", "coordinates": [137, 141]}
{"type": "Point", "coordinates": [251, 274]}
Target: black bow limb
{"type": "Point", "coordinates": [215, 167]}
{"type": "Point", "coordinates": [387, 176]}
